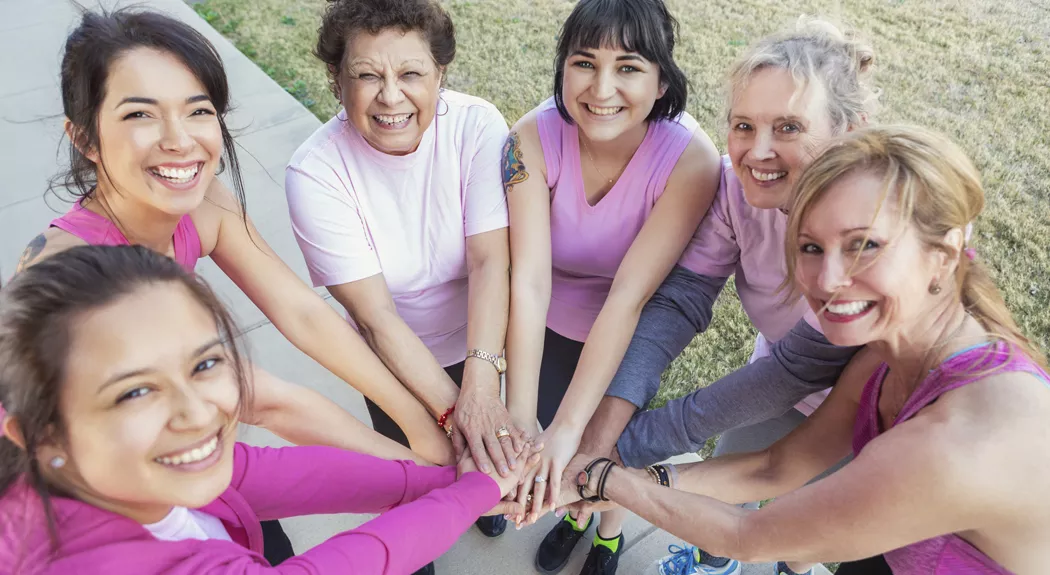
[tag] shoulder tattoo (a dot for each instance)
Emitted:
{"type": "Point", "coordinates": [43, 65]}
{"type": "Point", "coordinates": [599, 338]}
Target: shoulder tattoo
{"type": "Point", "coordinates": [32, 252]}
{"type": "Point", "coordinates": [513, 167]}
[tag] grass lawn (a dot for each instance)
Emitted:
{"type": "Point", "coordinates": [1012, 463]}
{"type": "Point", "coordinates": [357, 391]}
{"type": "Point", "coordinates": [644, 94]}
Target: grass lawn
{"type": "Point", "coordinates": [976, 70]}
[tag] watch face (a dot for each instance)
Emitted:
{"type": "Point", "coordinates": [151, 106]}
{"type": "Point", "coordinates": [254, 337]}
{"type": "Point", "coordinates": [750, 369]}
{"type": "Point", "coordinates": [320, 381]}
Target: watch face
{"type": "Point", "coordinates": [501, 364]}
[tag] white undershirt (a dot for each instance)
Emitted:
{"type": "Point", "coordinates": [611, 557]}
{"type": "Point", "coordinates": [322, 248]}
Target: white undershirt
{"type": "Point", "coordinates": [181, 524]}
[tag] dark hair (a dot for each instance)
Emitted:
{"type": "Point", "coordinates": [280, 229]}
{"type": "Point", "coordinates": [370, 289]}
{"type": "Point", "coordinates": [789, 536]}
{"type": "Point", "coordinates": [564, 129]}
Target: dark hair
{"type": "Point", "coordinates": [90, 51]}
{"type": "Point", "coordinates": [37, 310]}
{"type": "Point", "coordinates": [642, 26]}
{"type": "Point", "coordinates": [344, 18]}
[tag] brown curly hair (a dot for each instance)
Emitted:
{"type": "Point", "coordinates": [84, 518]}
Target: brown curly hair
{"type": "Point", "coordinates": [344, 18]}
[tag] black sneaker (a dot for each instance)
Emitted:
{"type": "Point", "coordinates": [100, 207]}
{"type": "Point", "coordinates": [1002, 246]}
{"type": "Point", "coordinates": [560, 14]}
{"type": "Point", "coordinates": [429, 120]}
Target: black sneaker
{"type": "Point", "coordinates": [428, 570]}
{"type": "Point", "coordinates": [557, 546]}
{"type": "Point", "coordinates": [492, 526]}
{"type": "Point", "coordinates": [601, 560]}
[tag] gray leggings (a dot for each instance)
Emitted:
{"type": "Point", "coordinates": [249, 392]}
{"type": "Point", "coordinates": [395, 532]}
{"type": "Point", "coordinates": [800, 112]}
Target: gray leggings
{"type": "Point", "coordinates": [800, 363]}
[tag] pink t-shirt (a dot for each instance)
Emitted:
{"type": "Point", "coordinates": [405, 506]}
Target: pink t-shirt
{"type": "Point", "coordinates": [357, 212]}
{"type": "Point", "coordinates": [736, 238]}
{"type": "Point", "coordinates": [589, 242]}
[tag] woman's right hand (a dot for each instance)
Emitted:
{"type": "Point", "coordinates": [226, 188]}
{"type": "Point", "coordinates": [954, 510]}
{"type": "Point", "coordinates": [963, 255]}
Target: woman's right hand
{"type": "Point", "coordinates": [431, 442]}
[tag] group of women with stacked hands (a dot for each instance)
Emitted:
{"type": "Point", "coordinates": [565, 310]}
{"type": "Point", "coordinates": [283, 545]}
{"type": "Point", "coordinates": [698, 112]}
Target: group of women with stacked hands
{"type": "Point", "coordinates": [573, 257]}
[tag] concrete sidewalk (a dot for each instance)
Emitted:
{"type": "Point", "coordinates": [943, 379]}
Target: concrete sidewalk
{"type": "Point", "coordinates": [269, 126]}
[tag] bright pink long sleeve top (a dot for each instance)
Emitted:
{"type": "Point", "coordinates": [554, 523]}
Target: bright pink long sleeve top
{"type": "Point", "coordinates": [424, 511]}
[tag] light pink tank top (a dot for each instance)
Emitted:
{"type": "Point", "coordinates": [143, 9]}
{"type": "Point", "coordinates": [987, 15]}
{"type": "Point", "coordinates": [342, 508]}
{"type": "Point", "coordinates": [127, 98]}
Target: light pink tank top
{"type": "Point", "coordinates": [98, 231]}
{"type": "Point", "coordinates": [589, 242]}
{"type": "Point", "coordinates": [947, 554]}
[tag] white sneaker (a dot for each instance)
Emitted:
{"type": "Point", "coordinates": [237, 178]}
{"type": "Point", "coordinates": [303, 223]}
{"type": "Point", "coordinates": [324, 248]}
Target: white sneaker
{"type": "Point", "coordinates": [687, 561]}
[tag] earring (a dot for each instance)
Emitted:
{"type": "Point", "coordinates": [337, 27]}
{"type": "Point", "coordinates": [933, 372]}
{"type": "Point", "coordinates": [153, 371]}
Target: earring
{"type": "Point", "coordinates": [935, 288]}
{"type": "Point", "coordinates": [57, 462]}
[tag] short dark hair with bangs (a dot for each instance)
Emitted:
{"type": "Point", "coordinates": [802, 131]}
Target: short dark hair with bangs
{"type": "Point", "coordinates": [642, 26]}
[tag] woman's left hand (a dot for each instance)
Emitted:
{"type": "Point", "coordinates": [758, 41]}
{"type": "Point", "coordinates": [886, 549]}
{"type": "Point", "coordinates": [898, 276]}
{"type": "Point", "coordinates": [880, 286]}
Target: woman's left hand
{"type": "Point", "coordinates": [479, 421]}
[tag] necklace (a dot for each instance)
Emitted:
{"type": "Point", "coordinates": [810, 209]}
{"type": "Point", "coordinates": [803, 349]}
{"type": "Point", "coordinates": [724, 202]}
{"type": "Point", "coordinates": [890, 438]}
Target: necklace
{"type": "Point", "coordinates": [593, 163]}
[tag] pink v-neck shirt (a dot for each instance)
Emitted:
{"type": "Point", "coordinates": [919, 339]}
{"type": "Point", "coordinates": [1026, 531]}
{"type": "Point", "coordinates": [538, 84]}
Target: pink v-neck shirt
{"type": "Point", "coordinates": [357, 212]}
{"type": "Point", "coordinates": [588, 243]}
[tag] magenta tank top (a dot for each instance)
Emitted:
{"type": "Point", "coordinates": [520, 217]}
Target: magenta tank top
{"type": "Point", "coordinates": [589, 242]}
{"type": "Point", "coordinates": [946, 554]}
{"type": "Point", "coordinates": [98, 231]}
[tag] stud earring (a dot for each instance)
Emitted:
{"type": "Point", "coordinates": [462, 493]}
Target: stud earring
{"type": "Point", "coordinates": [935, 288]}
{"type": "Point", "coordinates": [57, 462]}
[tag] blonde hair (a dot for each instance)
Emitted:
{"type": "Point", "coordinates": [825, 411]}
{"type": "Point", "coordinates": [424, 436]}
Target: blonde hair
{"type": "Point", "coordinates": [936, 188]}
{"type": "Point", "coordinates": [815, 51]}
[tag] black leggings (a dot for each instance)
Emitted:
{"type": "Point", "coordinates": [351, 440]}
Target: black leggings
{"type": "Point", "coordinates": [560, 356]}
{"type": "Point", "coordinates": [871, 566]}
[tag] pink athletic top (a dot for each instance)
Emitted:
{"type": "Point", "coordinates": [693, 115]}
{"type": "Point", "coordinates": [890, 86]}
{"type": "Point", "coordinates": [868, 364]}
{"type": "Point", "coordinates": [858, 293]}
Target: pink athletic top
{"type": "Point", "coordinates": [946, 554]}
{"type": "Point", "coordinates": [98, 231]}
{"type": "Point", "coordinates": [589, 242]}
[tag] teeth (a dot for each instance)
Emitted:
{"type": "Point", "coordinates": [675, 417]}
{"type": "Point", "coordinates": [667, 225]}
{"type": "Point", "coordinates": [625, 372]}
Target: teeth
{"type": "Point", "coordinates": [604, 111]}
{"type": "Point", "coordinates": [391, 120]}
{"type": "Point", "coordinates": [851, 308]}
{"type": "Point", "coordinates": [192, 456]}
{"type": "Point", "coordinates": [767, 176]}
{"type": "Point", "coordinates": [177, 175]}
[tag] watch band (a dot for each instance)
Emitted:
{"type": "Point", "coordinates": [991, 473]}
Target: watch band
{"type": "Point", "coordinates": [497, 361]}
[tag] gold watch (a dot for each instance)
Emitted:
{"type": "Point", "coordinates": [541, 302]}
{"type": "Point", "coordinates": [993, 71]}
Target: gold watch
{"type": "Point", "coordinates": [497, 361]}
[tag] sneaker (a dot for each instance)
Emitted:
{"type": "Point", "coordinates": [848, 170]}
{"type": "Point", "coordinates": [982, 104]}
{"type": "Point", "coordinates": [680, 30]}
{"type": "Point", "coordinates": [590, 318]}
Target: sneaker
{"type": "Point", "coordinates": [427, 570]}
{"type": "Point", "coordinates": [557, 546]}
{"type": "Point", "coordinates": [783, 569]}
{"type": "Point", "coordinates": [691, 561]}
{"type": "Point", "coordinates": [493, 526]}
{"type": "Point", "coordinates": [602, 561]}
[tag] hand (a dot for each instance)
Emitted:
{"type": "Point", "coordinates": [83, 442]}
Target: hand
{"type": "Point", "coordinates": [507, 485]}
{"type": "Point", "coordinates": [559, 445]}
{"type": "Point", "coordinates": [569, 495]}
{"type": "Point", "coordinates": [479, 415]}
{"type": "Point", "coordinates": [430, 441]}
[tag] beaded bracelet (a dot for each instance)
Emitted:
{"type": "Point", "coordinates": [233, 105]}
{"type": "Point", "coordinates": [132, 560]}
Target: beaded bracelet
{"type": "Point", "coordinates": [443, 420]}
{"type": "Point", "coordinates": [660, 474]}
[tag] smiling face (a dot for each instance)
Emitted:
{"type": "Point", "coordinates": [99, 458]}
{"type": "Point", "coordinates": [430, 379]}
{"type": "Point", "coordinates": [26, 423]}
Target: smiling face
{"type": "Point", "coordinates": [160, 139]}
{"type": "Point", "coordinates": [609, 91]}
{"type": "Point", "coordinates": [150, 412]}
{"type": "Point", "coordinates": [389, 86]}
{"type": "Point", "coordinates": [868, 280]}
{"type": "Point", "coordinates": [775, 131]}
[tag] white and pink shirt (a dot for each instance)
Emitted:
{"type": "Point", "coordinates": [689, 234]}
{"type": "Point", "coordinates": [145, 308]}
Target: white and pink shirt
{"type": "Point", "coordinates": [357, 212]}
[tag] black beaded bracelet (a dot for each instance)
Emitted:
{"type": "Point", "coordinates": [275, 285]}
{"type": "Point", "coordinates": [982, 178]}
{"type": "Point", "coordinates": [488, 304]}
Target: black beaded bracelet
{"type": "Point", "coordinates": [662, 476]}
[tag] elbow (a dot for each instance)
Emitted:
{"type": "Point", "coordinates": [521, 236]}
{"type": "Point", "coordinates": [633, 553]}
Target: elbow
{"type": "Point", "coordinates": [627, 299]}
{"type": "Point", "coordinates": [530, 289]}
{"type": "Point", "coordinates": [743, 542]}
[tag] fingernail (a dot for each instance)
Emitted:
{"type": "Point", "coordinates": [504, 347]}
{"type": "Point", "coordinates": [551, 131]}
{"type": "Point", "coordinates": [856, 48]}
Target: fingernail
{"type": "Point", "coordinates": [503, 470]}
{"type": "Point", "coordinates": [559, 513]}
{"type": "Point", "coordinates": [517, 527]}
{"type": "Point", "coordinates": [506, 516]}
{"type": "Point", "coordinates": [484, 468]}
{"type": "Point", "coordinates": [513, 463]}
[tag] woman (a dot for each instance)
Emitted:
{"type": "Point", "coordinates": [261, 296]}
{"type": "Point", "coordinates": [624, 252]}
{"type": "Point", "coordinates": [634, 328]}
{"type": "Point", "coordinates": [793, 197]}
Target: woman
{"type": "Point", "coordinates": [943, 410]}
{"type": "Point", "coordinates": [788, 95]}
{"type": "Point", "coordinates": [123, 385]}
{"type": "Point", "coordinates": [398, 208]}
{"type": "Point", "coordinates": [144, 150]}
{"type": "Point", "coordinates": [606, 182]}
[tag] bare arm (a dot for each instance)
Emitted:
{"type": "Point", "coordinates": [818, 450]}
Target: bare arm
{"type": "Point", "coordinates": [480, 412]}
{"type": "Point", "coordinates": [283, 407]}
{"type": "Point", "coordinates": [951, 469]}
{"type": "Point", "coordinates": [528, 199]}
{"type": "Point", "coordinates": [314, 327]}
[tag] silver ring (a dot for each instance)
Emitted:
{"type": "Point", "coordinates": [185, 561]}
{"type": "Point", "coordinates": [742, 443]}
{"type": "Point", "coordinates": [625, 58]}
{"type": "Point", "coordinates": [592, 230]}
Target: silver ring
{"type": "Point", "coordinates": [540, 479]}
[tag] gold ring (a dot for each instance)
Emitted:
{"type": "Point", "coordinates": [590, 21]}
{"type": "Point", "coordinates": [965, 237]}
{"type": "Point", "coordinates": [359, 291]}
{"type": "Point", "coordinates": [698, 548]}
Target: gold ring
{"type": "Point", "coordinates": [502, 432]}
